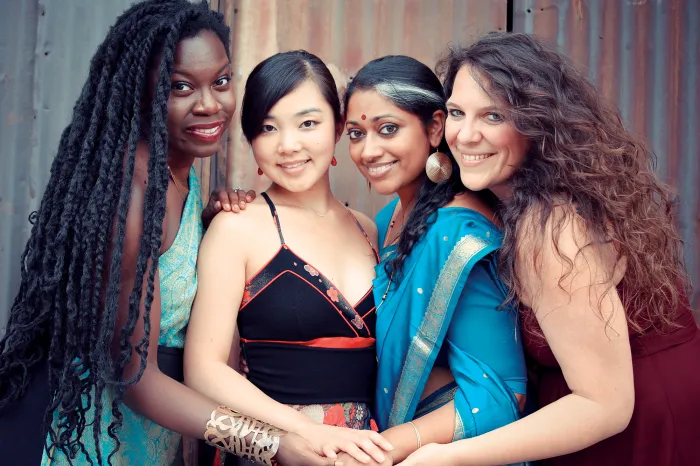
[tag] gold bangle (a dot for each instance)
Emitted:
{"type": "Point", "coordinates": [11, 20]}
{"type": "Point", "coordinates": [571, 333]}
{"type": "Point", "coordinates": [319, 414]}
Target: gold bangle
{"type": "Point", "coordinates": [243, 436]}
{"type": "Point", "coordinates": [420, 443]}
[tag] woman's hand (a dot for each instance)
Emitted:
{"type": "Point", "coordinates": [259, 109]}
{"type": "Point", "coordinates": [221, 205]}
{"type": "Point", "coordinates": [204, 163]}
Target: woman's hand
{"type": "Point", "coordinates": [348, 460]}
{"type": "Point", "coordinates": [432, 454]}
{"type": "Point", "coordinates": [363, 445]}
{"type": "Point", "coordinates": [227, 199]}
{"type": "Point", "coordinates": [294, 450]}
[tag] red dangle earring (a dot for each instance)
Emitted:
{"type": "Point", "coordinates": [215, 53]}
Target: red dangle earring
{"type": "Point", "coordinates": [334, 162]}
{"type": "Point", "coordinates": [260, 171]}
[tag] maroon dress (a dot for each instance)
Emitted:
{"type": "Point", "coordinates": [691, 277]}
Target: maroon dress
{"type": "Point", "coordinates": [665, 425]}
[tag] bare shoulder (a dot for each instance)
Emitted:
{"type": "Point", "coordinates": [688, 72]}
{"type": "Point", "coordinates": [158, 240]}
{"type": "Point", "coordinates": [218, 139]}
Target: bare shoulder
{"type": "Point", "coordinates": [367, 224]}
{"type": "Point", "coordinates": [557, 242]}
{"type": "Point", "coordinates": [241, 224]}
{"type": "Point", "coordinates": [560, 225]}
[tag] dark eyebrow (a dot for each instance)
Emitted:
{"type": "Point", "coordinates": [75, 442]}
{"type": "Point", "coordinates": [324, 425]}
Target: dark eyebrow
{"type": "Point", "coordinates": [386, 115]}
{"type": "Point", "coordinates": [490, 108]}
{"type": "Point", "coordinates": [307, 111]}
{"type": "Point", "coordinates": [185, 73]}
{"type": "Point", "coordinates": [297, 114]}
{"type": "Point", "coordinates": [375, 119]}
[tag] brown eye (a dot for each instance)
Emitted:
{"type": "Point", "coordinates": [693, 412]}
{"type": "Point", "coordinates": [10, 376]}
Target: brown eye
{"type": "Point", "coordinates": [222, 81]}
{"type": "Point", "coordinates": [388, 130]}
{"type": "Point", "coordinates": [181, 86]}
{"type": "Point", "coordinates": [308, 124]}
{"type": "Point", "coordinates": [354, 134]}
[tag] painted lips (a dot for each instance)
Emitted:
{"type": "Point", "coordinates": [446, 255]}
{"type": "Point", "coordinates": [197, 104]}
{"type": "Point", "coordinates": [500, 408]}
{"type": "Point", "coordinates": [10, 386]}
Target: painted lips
{"type": "Point", "coordinates": [207, 133]}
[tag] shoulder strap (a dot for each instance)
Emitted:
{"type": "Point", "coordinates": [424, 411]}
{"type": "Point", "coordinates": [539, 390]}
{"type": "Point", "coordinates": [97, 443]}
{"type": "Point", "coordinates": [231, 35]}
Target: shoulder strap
{"type": "Point", "coordinates": [359, 225]}
{"type": "Point", "coordinates": [275, 217]}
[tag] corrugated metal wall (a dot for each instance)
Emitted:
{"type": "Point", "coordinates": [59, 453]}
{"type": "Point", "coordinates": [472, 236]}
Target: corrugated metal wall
{"type": "Point", "coordinates": [45, 50]}
{"type": "Point", "coordinates": [645, 56]}
{"type": "Point", "coordinates": [642, 53]}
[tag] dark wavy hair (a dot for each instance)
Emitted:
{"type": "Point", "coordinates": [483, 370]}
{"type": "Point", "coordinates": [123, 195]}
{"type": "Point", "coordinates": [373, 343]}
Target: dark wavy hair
{"type": "Point", "coordinates": [579, 154]}
{"type": "Point", "coordinates": [67, 303]}
{"type": "Point", "coordinates": [277, 76]}
{"type": "Point", "coordinates": [414, 88]}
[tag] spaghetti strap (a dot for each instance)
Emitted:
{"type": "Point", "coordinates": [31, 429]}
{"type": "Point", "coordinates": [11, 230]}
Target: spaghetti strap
{"type": "Point", "coordinates": [275, 217]}
{"type": "Point", "coordinates": [359, 225]}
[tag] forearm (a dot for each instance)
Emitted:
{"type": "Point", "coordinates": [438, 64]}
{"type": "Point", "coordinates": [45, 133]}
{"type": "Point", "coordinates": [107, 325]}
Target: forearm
{"type": "Point", "coordinates": [566, 426]}
{"type": "Point", "coordinates": [435, 427]}
{"type": "Point", "coordinates": [229, 388]}
{"type": "Point", "coordinates": [182, 410]}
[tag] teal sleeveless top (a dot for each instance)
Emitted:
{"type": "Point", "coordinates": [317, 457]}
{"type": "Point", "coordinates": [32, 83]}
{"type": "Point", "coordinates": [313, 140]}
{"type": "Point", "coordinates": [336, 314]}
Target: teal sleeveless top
{"type": "Point", "coordinates": [142, 440]}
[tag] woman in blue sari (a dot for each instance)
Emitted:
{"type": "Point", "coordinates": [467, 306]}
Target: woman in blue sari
{"type": "Point", "coordinates": [450, 359]}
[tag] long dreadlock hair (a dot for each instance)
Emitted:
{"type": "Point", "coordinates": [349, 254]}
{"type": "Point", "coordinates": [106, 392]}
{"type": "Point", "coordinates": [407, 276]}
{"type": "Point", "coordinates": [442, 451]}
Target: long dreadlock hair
{"type": "Point", "coordinates": [62, 310]}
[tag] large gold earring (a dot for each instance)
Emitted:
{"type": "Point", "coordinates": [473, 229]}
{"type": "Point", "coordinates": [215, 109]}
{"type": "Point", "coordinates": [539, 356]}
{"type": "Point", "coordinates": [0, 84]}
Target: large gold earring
{"type": "Point", "coordinates": [438, 167]}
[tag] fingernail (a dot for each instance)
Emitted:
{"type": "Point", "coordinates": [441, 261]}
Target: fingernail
{"type": "Point", "coordinates": [242, 204]}
{"type": "Point", "coordinates": [235, 207]}
{"type": "Point", "coordinates": [249, 198]}
{"type": "Point", "coordinates": [217, 205]}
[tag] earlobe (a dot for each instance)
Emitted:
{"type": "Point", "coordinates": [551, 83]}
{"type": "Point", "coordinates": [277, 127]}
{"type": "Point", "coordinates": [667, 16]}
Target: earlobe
{"type": "Point", "coordinates": [437, 128]}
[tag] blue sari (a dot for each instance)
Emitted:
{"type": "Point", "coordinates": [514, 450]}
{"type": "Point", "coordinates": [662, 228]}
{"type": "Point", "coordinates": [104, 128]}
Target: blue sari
{"type": "Point", "coordinates": [446, 311]}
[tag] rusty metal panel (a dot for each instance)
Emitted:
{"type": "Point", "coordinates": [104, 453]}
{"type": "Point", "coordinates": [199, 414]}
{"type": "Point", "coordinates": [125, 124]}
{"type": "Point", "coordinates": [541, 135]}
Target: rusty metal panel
{"type": "Point", "coordinates": [642, 54]}
{"type": "Point", "coordinates": [17, 45]}
{"type": "Point", "coordinates": [345, 34]}
{"type": "Point", "coordinates": [46, 47]}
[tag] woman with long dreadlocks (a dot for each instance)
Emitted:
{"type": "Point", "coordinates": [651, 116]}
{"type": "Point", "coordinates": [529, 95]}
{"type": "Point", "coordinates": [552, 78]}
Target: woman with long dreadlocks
{"type": "Point", "coordinates": [108, 274]}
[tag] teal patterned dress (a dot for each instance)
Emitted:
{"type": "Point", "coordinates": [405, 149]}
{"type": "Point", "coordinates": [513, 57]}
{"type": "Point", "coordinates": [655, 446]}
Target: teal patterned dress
{"type": "Point", "coordinates": [142, 440]}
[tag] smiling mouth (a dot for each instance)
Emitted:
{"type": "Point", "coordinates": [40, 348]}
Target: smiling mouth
{"type": "Point", "coordinates": [207, 133]}
{"type": "Point", "coordinates": [378, 169]}
{"type": "Point", "coordinates": [476, 157]}
{"type": "Point", "coordinates": [289, 166]}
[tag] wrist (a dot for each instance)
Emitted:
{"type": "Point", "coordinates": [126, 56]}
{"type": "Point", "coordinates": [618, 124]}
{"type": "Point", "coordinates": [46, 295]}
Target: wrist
{"type": "Point", "coordinates": [302, 426]}
{"type": "Point", "coordinates": [454, 454]}
{"type": "Point", "coordinates": [243, 436]}
{"type": "Point", "coordinates": [403, 438]}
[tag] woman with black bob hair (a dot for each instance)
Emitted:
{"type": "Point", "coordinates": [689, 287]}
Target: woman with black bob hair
{"type": "Point", "coordinates": [300, 292]}
{"type": "Point", "coordinates": [450, 358]}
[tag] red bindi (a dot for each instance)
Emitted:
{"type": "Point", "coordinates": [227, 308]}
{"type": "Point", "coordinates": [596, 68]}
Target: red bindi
{"type": "Point", "coordinates": [364, 117]}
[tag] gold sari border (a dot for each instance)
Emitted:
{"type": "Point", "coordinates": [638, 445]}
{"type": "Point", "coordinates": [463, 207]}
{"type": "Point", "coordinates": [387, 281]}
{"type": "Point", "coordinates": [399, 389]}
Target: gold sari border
{"type": "Point", "coordinates": [425, 340]}
{"type": "Point", "coordinates": [459, 427]}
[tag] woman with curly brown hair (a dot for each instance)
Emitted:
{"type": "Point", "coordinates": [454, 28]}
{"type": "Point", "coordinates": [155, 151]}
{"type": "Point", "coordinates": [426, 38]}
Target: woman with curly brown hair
{"type": "Point", "coordinates": [592, 257]}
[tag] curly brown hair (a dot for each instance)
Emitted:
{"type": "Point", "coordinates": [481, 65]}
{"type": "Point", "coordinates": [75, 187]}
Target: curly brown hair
{"type": "Point", "coordinates": [579, 154]}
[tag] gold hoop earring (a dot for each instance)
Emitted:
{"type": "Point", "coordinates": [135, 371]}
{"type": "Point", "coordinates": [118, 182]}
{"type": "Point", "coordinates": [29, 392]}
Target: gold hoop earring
{"type": "Point", "coordinates": [438, 167]}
